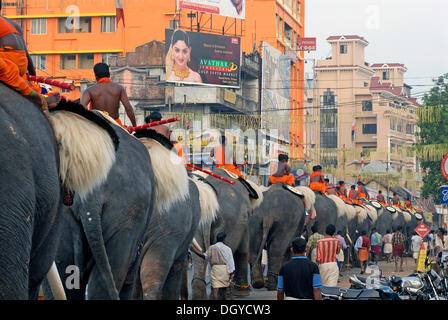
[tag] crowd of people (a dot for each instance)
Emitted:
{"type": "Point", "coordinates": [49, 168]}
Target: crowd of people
{"type": "Point", "coordinates": [317, 261]}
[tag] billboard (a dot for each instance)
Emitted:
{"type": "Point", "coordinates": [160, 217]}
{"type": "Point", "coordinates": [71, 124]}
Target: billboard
{"type": "Point", "coordinates": [275, 91]}
{"type": "Point", "coordinates": [227, 8]}
{"type": "Point", "coordinates": [202, 58]}
{"type": "Point", "coordinates": [306, 44]}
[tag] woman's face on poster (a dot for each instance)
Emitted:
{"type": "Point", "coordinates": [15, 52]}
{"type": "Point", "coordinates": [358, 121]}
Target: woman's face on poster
{"type": "Point", "coordinates": [181, 53]}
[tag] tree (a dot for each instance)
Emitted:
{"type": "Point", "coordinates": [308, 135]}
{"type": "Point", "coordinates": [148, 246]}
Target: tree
{"type": "Point", "coordinates": [433, 142]}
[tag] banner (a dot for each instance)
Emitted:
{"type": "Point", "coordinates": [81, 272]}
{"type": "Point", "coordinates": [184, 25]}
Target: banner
{"type": "Point", "coordinates": [202, 58]}
{"type": "Point", "coordinates": [275, 94]}
{"type": "Point", "coordinates": [227, 8]}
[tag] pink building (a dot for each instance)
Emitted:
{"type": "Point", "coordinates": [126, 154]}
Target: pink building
{"type": "Point", "coordinates": [359, 112]}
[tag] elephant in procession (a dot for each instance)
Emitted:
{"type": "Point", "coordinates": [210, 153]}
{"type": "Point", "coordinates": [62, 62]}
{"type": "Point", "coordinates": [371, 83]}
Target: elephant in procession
{"type": "Point", "coordinates": [274, 224]}
{"type": "Point", "coordinates": [235, 209]}
{"type": "Point", "coordinates": [171, 230]}
{"type": "Point", "coordinates": [35, 151]}
{"type": "Point", "coordinates": [104, 234]}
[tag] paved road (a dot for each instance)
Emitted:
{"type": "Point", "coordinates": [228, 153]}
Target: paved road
{"type": "Point", "coordinates": [387, 269]}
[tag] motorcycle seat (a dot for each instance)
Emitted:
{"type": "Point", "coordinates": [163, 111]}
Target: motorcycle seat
{"type": "Point", "coordinates": [350, 293]}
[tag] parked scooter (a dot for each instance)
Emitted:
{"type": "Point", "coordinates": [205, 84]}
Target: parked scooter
{"type": "Point", "coordinates": [378, 293]}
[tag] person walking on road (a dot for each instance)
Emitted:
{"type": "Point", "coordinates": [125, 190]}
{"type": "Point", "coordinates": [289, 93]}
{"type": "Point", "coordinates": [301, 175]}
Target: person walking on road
{"type": "Point", "coordinates": [416, 243]}
{"type": "Point", "coordinates": [222, 266]}
{"type": "Point", "coordinates": [362, 246]}
{"type": "Point", "coordinates": [375, 245]}
{"type": "Point", "coordinates": [340, 255]}
{"type": "Point", "coordinates": [327, 250]}
{"type": "Point", "coordinates": [398, 245]}
{"type": "Point", "coordinates": [387, 242]}
{"type": "Point", "coordinates": [299, 278]}
{"type": "Point", "coordinates": [312, 242]}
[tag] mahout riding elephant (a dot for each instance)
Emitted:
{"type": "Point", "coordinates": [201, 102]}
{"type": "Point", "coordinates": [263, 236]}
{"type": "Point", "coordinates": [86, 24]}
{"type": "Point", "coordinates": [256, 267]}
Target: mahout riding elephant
{"type": "Point", "coordinates": [104, 234]}
{"type": "Point", "coordinates": [31, 194]}
{"type": "Point", "coordinates": [273, 225]}
{"type": "Point", "coordinates": [235, 208]}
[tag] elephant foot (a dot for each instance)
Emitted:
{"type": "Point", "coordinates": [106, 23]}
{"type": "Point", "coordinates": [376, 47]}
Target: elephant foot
{"type": "Point", "coordinates": [258, 284]}
{"type": "Point", "coordinates": [240, 290]}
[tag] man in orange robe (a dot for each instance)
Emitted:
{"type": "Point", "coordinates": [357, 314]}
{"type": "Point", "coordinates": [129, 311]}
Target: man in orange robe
{"type": "Point", "coordinates": [224, 158]}
{"type": "Point", "coordinates": [15, 62]}
{"type": "Point", "coordinates": [317, 180]}
{"type": "Point", "coordinates": [283, 173]}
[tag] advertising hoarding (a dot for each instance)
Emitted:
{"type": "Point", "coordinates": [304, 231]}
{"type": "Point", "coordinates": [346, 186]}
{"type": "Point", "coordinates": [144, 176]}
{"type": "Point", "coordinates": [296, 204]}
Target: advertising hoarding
{"type": "Point", "coordinates": [306, 44]}
{"type": "Point", "coordinates": [227, 8]}
{"type": "Point", "coordinates": [275, 96]}
{"type": "Point", "coordinates": [202, 58]}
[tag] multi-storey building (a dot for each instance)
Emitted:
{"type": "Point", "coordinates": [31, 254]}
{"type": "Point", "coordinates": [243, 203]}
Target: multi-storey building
{"type": "Point", "coordinates": [360, 112]}
{"type": "Point", "coordinates": [66, 38]}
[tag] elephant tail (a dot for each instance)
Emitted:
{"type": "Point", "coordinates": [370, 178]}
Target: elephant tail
{"type": "Point", "coordinates": [266, 226]}
{"type": "Point", "coordinates": [94, 234]}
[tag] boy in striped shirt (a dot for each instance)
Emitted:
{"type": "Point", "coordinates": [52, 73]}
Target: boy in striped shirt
{"type": "Point", "coordinates": [327, 250]}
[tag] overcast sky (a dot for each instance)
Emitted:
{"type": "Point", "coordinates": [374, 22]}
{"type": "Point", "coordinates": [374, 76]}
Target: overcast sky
{"type": "Point", "coordinates": [412, 32]}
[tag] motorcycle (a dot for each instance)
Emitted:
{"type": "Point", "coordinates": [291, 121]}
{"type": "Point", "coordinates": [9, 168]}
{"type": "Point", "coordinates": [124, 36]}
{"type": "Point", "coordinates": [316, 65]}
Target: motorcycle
{"type": "Point", "coordinates": [378, 293]}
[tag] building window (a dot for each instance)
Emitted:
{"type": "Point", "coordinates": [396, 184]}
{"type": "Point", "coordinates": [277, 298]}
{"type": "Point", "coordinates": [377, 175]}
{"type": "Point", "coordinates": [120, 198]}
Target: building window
{"type": "Point", "coordinates": [288, 34]}
{"type": "Point", "coordinates": [400, 126]}
{"type": "Point", "coordinates": [108, 24]}
{"type": "Point", "coordinates": [105, 57]}
{"type": "Point", "coordinates": [280, 28]}
{"type": "Point", "coordinates": [367, 105]}
{"type": "Point", "coordinates": [38, 26]}
{"type": "Point", "coordinates": [85, 25]}
{"type": "Point", "coordinates": [393, 124]}
{"type": "Point", "coordinates": [409, 129]}
{"type": "Point", "coordinates": [328, 98]}
{"type": "Point", "coordinates": [369, 128]}
{"type": "Point", "coordinates": [85, 61]}
{"type": "Point", "coordinates": [343, 48]}
{"type": "Point", "coordinates": [298, 9]}
{"type": "Point", "coordinates": [66, 25]}
{"type": "Point", "coordinates": [39, 61]}
{"type": "Point", "coordinates": [68, 61]}
{"type": "Point", "coordinates": [386, 75]}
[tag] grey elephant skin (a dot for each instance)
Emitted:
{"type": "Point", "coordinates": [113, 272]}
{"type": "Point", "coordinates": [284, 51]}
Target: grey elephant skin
{"type": "Point", "coordinates": [166, 246]}
{"type": "Point", "coordinates": [327, 213]}
{"type": "Point", "coordinates": [104, 235]}
{"type": "Point", "coordinates": [232, 218]}
{"type": "Point", "coordinates": [274, 224]}
{"type": "Point", "coordinates": [30, 196]}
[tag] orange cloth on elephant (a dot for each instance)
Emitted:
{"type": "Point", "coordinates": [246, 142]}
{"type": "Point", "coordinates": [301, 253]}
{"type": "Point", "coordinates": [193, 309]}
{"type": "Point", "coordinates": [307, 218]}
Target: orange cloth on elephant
{"type": "Point", "coordinates": [288, 179]}
{"type": "Point", "coordinates": [317, 185]}
{"type": "Point", "coordinates": [230, 167]}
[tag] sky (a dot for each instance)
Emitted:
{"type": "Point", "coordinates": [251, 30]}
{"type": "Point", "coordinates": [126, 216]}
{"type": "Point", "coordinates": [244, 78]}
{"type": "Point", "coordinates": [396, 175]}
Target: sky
{"type": "Point", "coordinates": [412, 32]}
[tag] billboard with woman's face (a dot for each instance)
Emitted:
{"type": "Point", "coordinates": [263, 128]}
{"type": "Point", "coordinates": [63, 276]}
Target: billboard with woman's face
{"type": "Point", "coordinates": [201, 58]}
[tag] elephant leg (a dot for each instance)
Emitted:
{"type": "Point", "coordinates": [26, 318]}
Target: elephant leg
{"type": "Point", "coordinates": [241, 287]}
{"type": "Point", "coordinates": [184, 282]}
{"type": "Point", "coordinates": [154, 269]}
{"type": "Point", "coordinates": [198, 284]}
{"type": "Point", "coordinates": [173, 283]}
{"type": "Point", "coordinates": [256, 275]}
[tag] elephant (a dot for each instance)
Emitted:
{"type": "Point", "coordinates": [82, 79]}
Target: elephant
{"type": "Point", "coordinates": [235, 208]}
{"type": "Point", "coordinates": [167, 241]}
{"type": "Point", "coordinates": [32, 181]}
{"type": "Point", "coordinates": [105, 232]}
{"type": "Point", "coordinates": [31, 195]}
{"type": "Point", "coordinates": [274, 224]}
